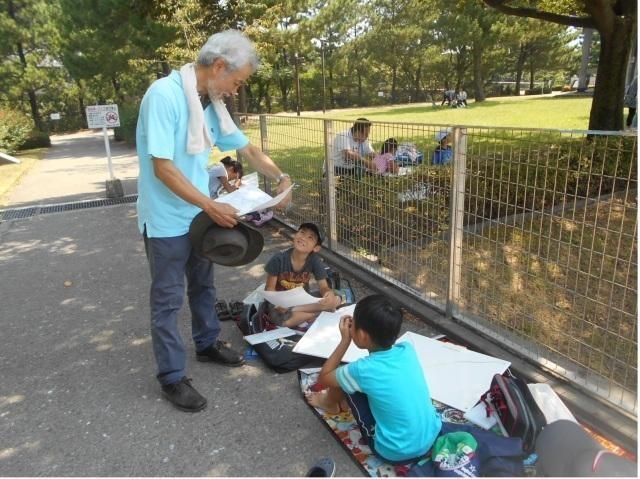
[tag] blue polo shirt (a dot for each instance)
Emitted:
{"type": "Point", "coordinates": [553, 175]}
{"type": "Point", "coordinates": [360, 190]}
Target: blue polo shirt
{"type": "Point", "coordinates": [162, 133]}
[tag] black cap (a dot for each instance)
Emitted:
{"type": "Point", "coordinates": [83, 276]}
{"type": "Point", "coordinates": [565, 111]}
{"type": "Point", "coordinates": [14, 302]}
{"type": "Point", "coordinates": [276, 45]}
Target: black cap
{"type": "Point", "coordinates": [315, 228]}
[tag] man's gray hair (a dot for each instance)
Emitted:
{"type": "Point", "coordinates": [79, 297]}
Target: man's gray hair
{"type": "Point", "coordinates": [231, 46]}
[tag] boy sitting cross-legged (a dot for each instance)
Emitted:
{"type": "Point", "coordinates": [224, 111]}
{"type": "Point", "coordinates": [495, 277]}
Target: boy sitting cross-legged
{"type": "Point", "coordinates": [293, 268]}
{"type": "Point", "coordinates": [386, 390]}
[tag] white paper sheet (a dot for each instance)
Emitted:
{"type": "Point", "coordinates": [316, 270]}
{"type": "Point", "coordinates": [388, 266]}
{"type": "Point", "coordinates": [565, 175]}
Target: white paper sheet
{"type": "Point", "coordinates": [323, 336]}
{"type": "Point", "coordinates": [550, 403]}
{"type": "Point", "coordinates": [251, 180]}
{"type": "Point", "coordinates": [478, 415]}
{"type": "Point", "coordinates": [456, 375]}
{"type": "Point", "coordinates": [248, 199]}
{"type": "Point", "coordinates": [265, 336]}
{"type": "Point", "coordinates": [255, 296]}
{"type": "Point", "coordinates": [288, 299]}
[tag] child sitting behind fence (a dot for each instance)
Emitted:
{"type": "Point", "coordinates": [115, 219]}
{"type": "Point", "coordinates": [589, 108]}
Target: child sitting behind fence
{"type": "Point", "coordinates": [385, 161]}
{"type": "Point", "coordinates": [443, 154]}
{"type": "Point", "coordinates": [222, 174]}
{"type": "Point", "coordinates": [386, 390]}
{"type": "Point", "coordinates": [293, 268]}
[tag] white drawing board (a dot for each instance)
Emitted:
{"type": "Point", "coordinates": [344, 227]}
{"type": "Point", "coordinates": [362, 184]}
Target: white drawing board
{"type": "Point", "coordinates": [456, 376]}
{"type": "Point", "coordinates": [323, 336]}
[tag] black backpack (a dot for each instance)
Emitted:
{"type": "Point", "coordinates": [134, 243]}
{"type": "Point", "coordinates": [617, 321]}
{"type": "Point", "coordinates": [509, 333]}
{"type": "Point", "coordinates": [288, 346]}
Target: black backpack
{"type": "Point", "coordinates": [278, 353]}
{"type": "Point", "coordinates": [517, 410]}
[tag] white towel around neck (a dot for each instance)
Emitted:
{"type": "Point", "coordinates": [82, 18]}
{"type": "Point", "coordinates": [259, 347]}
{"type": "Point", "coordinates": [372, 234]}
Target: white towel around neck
{"type": "Point", "coordinates": [198, 137]}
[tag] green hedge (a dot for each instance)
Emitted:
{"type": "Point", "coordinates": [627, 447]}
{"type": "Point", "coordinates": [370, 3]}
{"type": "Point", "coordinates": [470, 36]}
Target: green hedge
{"type": "Point", "coordinates": [371, 215]}
{"type": "Point", "coordinates": [380, 212]}
{"type": "Point", "coordinates": [36, 139]}
{"type": "Point", "coordinates": [15, 128]}
{"type": "Point", "coordinates": [538, 177]}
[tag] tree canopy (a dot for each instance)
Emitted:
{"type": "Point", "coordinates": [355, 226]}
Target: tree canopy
{"type": "Point", "coordinates": [616, 22]}
{"type": "Point", "coordinates": [65, 54]}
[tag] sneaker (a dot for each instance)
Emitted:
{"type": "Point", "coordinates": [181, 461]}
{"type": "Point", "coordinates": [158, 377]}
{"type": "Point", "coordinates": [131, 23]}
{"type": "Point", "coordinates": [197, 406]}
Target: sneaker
{"type": "Point", "coordinates": [184, 396]}
{"type": "Point", "coordinates": [220, 352]}
{"type": "Point", "coordinates": [324, 467]}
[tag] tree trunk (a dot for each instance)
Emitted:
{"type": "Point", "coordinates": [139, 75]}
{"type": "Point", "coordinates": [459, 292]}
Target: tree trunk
{"type": "Point", "coordinates": [394, 79]}
{"type": "Point", "coordinates": [583, 83]}
{"type": "Point", "coordinates": [332, 100]}
{"type": "Point", "coordinates": [531, 76]}
{"type": "Point", "coordinates": [242, 99]}
{"type": "Point", "coordinates": [35, 111]}
{"type": "Point", "coordinates": [417, 95]}
{"type": "Point", "coordinates": [478, 80]}
{"type": "Point", "coordinates": [607, 108]}
{"type": "Point", "coordinates": [522, 57]}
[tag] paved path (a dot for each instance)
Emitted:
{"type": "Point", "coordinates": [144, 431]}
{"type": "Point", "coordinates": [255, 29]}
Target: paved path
{"type": "Point", "coordinates": [78, 396]}
{"type": "Point", "coordinates": [76, 168]}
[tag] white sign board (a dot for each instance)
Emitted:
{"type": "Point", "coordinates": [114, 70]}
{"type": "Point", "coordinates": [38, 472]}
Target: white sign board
{"type": "Point", "coordinates": [103, 116]}
{"type": "Point", "coordinates": [55, 116]}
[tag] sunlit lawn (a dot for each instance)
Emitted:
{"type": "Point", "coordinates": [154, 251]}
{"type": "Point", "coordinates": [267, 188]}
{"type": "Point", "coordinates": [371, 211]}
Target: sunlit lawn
{"type": "Point", "coordinates": [10, 174]}
{"type": "Point", "coordinates": [558, 111]}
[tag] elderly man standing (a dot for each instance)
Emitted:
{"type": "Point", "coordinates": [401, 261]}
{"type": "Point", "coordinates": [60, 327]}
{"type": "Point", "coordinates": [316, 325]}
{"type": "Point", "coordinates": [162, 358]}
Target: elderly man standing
{"type": "Point", "coordinates": [352, 150]}
{"type": "Point", "coordinates": [181, 117]}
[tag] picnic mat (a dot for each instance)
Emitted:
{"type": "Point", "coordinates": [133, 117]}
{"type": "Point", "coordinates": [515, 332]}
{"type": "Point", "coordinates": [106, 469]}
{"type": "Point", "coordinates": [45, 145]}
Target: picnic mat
{"type": "Point", "coordinates": [346, 431]}
{"type": "Point", "coordinates": [344, 428]}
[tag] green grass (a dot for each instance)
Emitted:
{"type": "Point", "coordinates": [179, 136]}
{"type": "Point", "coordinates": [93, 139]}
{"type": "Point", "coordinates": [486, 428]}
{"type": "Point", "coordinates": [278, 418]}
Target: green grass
{"type": "Point", "coordinates": [10, 174]}
{"type": "Point", "coordinates": [555, 282]}
{"type": "Point", "coordinates": [286, 131]}
{"type": "Point", "coordinates": [560, 111]}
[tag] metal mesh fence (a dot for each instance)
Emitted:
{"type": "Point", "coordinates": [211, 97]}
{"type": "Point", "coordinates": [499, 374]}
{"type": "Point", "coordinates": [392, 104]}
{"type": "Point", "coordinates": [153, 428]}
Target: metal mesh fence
{"type": "Point", "coordinates": [529, 236]}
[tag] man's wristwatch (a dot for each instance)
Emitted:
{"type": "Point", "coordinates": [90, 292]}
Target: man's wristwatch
{"type": "Point", "coordinates": [282, 176]}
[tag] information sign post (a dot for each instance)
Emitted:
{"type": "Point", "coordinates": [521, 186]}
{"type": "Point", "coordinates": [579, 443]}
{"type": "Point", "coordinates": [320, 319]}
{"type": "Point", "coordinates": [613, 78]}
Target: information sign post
{"type": "Point", "coordinates": [106, 116]}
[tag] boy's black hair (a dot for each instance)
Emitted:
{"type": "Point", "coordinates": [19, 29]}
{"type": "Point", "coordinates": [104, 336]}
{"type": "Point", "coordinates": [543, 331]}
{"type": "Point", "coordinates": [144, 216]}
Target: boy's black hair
{"type": "Point", "coordinates": [389, 145]}
{"type": "Point", "coordinates": [380, 317]}
{"type": "Point", "coordinates": [313, 227]}
{"type": "Point", "coordinates": [360, 125]}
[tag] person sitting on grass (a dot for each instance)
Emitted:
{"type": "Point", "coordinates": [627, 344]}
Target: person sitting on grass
{"type": "Point", "coordinates": [385, 161]}
{"type": "Point", "coordinates": [293, 268]}
{"type": "Point", "coordinates": [386, 390]}
{"type": "Point", "coordinates": [443, 154]}
{"type": "Point", "coordinates": [222, 174]}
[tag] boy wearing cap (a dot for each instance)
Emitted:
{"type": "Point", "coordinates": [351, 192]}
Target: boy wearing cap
{"type": "Point", "coordinates": [293, 268]}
